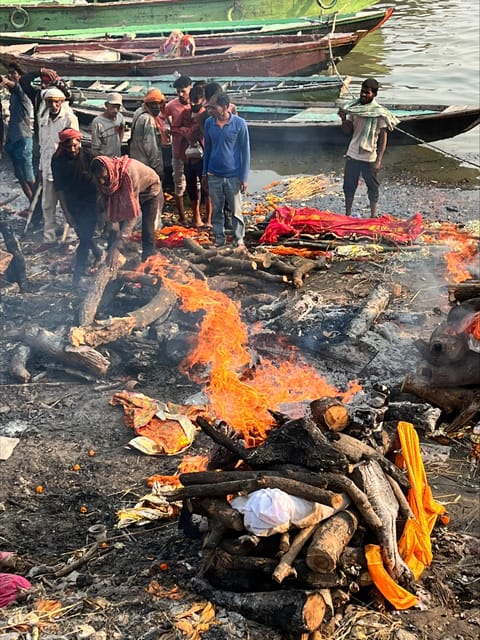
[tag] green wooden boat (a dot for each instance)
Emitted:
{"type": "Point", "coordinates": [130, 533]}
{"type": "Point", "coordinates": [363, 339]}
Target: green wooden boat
{"type": "Point", "coordinates": [362, 20]}
{"type": "Point", "coordinates": [47, 15]}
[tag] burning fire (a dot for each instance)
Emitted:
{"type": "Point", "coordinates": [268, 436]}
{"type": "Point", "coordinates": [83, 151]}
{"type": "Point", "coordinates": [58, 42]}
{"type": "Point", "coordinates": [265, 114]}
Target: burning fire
{"type": "Point", "coordinates": [239, 393]}
{"type": "Point", "coordinates": [463, 254]}
{"type": "Point", "coordinates": [188, 464]}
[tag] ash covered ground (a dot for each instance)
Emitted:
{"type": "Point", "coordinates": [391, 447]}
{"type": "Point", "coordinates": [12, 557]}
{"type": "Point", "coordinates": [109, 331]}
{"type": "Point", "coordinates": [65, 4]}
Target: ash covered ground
{"type": "Point", "coordinates": [64, 421]}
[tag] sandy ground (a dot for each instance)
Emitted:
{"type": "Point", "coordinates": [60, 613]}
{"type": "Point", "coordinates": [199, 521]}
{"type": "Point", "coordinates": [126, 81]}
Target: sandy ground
{"type": "Point", "coordinates": [73, 445]}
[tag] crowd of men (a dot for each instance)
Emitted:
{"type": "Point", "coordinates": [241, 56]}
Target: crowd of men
{"type": "Point", "coordinates": [113, 186]}
{"type": "Point", "coordinates": [210, 154]}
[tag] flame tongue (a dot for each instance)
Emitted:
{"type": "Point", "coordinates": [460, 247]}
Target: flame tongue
{"type": "Point", "coordinates": [221, 357]}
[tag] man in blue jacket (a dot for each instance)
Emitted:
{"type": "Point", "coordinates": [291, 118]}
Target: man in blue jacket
{"type": "Point", "coordinates": [226, 163]}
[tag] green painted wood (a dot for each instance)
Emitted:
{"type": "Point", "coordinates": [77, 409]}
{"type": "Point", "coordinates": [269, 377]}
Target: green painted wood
{"type": "Point", "coordinates": [126, 13]}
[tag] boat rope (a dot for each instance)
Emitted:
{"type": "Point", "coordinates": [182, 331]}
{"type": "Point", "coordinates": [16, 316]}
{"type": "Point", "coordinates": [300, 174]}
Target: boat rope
{"type": "Point", "coordinates": [346, 88]}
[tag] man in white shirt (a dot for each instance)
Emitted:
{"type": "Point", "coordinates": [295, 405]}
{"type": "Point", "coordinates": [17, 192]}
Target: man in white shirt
{"type": "Point", "coordinates": [57, 117]}
{"type": "Point", "coordinates": [368, 124]}
{"type": "Point", "coordinates": [108, 128]}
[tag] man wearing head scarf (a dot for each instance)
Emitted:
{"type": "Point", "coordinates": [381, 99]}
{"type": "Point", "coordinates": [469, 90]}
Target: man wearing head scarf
{"type": "Point", "coordinates": [108, 128]}
{"type": "Point", "coordinates": [128, 188]}
{"type": "Point", "coordinates": [57, 117]}
{"type": "Point", "coordinates": [76, 188]}
{"type": "Point", "coordinates": [149, 132]}
{"type": "Point", "coordinates": [34, 90]}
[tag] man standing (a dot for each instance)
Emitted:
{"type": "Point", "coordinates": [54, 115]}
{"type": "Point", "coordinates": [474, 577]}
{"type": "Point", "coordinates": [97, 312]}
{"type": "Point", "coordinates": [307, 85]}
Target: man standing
{"type": "Point", "coordinates": [76, 188]}
{"type": "Point", "coordinates": [173, 111]}
{"type": "Point", "coordinates": [19, 145]}
{"type": "Point", "coordinates": [108, 128]}
{"type": "Point", "coordinates": [192, 155]}
{"type": "Point", "coordinates": [367, 122]}
{"type": "Point", "coordinates": [149, 132]}
{"type": "Point", "coordinates": [129, 188]}
{"type": "Point", "coordinates": [58, 116]}
{"type": "Point", "coordinates": [226, 164]}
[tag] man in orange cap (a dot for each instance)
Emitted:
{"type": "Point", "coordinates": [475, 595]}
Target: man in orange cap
{"type": "Point", "coordinates": [149, 132]}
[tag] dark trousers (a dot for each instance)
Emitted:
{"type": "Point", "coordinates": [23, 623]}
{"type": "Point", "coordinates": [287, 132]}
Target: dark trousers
{"type": "Point", "coordinates": [150, 208]}
{"type": "Point", "coordinates": [85, 228]}
{"type": "Point", "coordinates": [353, 170]}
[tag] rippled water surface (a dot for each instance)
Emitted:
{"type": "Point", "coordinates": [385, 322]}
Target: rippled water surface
{"type": "Point", "coordinates": [426, 53]}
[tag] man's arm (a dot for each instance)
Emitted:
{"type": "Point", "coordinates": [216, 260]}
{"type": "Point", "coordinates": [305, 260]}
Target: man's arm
{"type": "Point", "coordinates": [96, 137]}
{"type": "Point", "coordinates": [244, 142]}
{"type": "Point", "coordinates": [347, 125]}
{"type": "Point", "coordinates": [381, 146]}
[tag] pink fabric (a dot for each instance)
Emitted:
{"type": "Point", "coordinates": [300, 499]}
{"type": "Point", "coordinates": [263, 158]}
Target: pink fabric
{"type": "Point", "coordinates": [288, 221]}
{"type": "Point", "coordinates": [10, 587]}
{"type": "Point", "coordinates": [122, 203]}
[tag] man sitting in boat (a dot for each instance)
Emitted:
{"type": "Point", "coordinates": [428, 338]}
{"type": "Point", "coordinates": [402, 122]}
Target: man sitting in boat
{"type": "Point", "coordinates": [108, 128]}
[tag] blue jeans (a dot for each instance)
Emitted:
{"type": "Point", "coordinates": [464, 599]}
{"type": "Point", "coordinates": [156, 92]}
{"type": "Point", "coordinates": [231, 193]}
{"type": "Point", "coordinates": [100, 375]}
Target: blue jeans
{"type": "Point", "coordinates": [21, 155]}
{"type": "Point", "coordinates": [227, 190]}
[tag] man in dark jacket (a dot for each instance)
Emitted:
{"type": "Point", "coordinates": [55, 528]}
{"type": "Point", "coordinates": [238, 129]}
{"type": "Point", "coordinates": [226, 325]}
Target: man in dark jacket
{"type": "Point", "coordinates": [77, 191]}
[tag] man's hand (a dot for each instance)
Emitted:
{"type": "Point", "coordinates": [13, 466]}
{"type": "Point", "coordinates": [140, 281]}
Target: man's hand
{"type": "Point", "coordinates": [342, 113]}
{"type": "Point", "coordinates": [377, 165]}
{"type": "Point", "coordinates": [243, 187]}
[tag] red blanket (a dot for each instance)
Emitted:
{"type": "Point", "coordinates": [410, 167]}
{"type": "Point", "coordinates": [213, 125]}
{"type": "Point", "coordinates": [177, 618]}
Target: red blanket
{"type": "Point", "coordinates": [294, 222]}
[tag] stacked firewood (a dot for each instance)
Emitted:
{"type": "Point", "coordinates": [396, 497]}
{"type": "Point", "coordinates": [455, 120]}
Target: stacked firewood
{"type": "Point", "coordinates": [298, 576]}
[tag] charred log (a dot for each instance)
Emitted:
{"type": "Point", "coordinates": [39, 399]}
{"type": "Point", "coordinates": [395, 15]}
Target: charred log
{"type": "Point", "coordinates": [55, 347]}
{"type": "Point", "coordinates": [291, 611]}
{"type": "Point", "coordinates": [16, 270]}
{"type": "Point", "coordinates": [296, 442]}
{"type": "Point", "coordinates": [330, 413]}
{"type": "Point", "coordinates": [103, 331]}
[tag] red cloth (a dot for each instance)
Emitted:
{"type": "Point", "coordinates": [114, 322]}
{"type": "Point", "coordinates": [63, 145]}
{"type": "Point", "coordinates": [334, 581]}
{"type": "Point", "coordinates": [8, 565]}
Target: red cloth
{"type": "Point", "coordinates": [10, 587]}
{"type": "Point", "coordinates": [69, 134]}
{"type": "Point", "coordinates": [122, 201]}
{"type": "Point", "coordinates": [47, 76]}
{"type": "Point", "coordinates": [288, 221]}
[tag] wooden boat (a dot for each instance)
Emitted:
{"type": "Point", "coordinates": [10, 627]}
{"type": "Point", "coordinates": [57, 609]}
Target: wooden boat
{"type": "Point", "coordinates": [295, 126]}
{"type": "Point", "coordinates": [311, 88]}
{"type": "Point", "coordinates": [38, 16]}
{"type": "Point", "coordinates": [343, 23]}
{"type": "Point", "coordinates": [245, 56]}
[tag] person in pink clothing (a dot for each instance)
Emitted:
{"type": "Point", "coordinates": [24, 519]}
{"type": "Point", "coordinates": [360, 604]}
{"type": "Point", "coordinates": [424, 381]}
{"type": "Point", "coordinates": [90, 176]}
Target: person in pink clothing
{"type": "Point", "coordinates": [173, 112]}
{"type": "Point", "coordinates": [192, 134]}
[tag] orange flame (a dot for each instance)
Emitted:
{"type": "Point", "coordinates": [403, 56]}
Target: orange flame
{"type": "Point", "coordinates": [188, 464]}
{"type": "Point", "coordinates": [462, 255]}
{"type": "Point", "coordinates": [221, 356]}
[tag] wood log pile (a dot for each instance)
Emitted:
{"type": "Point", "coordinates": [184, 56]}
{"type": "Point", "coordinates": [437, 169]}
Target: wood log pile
{"type": "Point", "coordinates": [297, 575]}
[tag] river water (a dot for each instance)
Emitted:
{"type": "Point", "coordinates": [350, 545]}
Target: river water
{"type": "Point", "coordinates": [427, 53]}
